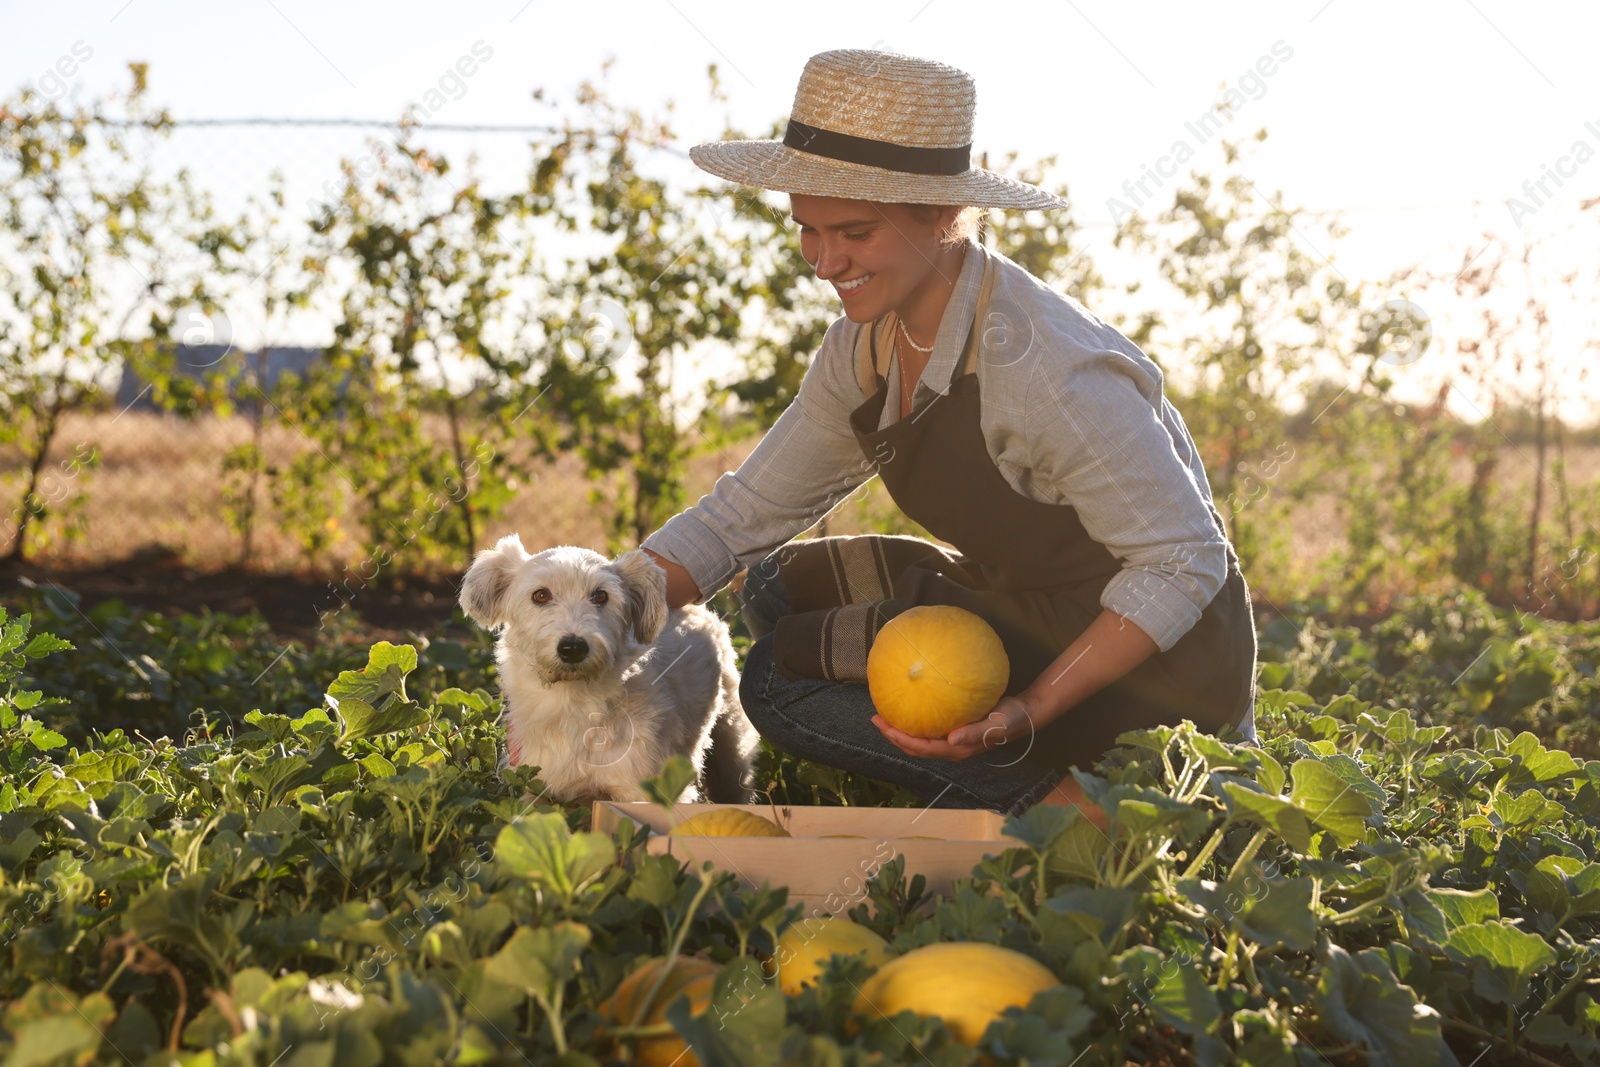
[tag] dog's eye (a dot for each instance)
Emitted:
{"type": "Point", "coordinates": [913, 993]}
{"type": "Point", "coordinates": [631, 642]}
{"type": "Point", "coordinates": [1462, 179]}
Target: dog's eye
{"type": "Point", "coordinates": [541, 596]}
{"type": "Point", "coordinates": [599, 596]}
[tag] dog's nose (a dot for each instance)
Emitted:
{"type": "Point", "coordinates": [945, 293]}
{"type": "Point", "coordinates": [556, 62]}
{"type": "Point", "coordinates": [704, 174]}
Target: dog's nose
{"type": "Point", "coordinates": [572, 649]}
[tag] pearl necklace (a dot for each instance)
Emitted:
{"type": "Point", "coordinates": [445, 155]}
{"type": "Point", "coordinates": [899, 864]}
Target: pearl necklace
{"type": "Point", "coordinates": [909, 341]}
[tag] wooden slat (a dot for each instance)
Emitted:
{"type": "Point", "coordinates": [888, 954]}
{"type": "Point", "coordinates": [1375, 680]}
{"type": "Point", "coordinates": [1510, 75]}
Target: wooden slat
{"type": "Point", "coordinates": [827, 874]}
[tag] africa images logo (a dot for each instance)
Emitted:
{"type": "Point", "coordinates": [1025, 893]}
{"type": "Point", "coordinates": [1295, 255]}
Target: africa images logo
{"type": "Point", "coordinates": [1248, 87]}
{"type": "Point", "coordinates": [1538, 191]}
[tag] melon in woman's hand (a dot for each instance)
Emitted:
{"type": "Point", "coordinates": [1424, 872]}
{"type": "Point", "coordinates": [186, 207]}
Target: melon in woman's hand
{"type": "Point", "coordinates": [934, 668]}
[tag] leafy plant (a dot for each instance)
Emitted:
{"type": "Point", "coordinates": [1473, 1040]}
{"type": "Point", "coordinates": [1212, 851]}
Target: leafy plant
{"type": "Point", "coordinates": [351, 877]}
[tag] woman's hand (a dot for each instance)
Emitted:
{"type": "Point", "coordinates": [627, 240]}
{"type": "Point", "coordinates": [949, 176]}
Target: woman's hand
{"type": "Point", "coordinates": [1009, 723]}
{"type": "Point", "coordinates": [681, 589]}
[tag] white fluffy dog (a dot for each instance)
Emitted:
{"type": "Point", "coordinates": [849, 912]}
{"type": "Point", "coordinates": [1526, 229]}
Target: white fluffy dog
{"type": "Point", "coordinates": [602, 682]}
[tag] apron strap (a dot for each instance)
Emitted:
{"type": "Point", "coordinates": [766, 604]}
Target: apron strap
{"type": "Point", "coordinates": [969, 357]}
{"type": "Point", "coordinates": [872, 353]}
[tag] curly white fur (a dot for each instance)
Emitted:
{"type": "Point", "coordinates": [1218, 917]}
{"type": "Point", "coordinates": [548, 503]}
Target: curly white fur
{"type": "Point", "coordinates": [601, 681]}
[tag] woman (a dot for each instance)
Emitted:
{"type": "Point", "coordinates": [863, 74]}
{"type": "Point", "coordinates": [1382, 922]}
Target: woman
{"type": "Point", "coordinates": [1004, 418]}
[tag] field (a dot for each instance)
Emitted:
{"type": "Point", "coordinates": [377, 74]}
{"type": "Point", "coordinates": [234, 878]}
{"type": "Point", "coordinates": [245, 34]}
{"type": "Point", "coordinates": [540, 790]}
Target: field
{"type": "Point", "coordinates": [160, 483]}
{"type": "Point", "coordinates": [248, 817]}
{"type": "Point", "coordinates": [206, 860]}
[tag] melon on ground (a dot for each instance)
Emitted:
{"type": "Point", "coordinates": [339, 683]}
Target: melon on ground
{"type": "Point", "coordinates": [968, 984]}
{"type": "Point", "coordinates": [690, 976]}
{"type": "Point", "coordinates": [805, 946]}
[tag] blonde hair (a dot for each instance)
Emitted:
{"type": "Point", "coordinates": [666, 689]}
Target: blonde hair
{"type": "Point", "coordinates": [963, 228]}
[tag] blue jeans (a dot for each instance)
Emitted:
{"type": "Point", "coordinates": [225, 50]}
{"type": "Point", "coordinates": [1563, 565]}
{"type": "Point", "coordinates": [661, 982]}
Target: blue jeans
{"type": "Point", "coordinates": [831, 723]}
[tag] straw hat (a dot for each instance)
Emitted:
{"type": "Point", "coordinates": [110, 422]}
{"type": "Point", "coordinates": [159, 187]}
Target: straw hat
{"type": "Point", "coordinates": [875, 126]}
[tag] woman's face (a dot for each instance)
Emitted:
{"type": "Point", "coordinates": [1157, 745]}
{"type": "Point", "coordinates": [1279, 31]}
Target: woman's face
{"type": "Point", "coordinates": [877, 256]}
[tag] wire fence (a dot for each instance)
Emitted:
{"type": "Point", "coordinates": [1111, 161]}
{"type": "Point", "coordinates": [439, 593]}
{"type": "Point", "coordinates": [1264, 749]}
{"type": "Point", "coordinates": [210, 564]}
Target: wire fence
{"type": "Point", "coordinates": [124, 484]}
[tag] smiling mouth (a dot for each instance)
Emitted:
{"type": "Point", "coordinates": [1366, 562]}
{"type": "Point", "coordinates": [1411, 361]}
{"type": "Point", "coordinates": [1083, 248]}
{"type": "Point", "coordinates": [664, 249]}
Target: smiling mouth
{"type": "Point", "coordinates": [852, 285]}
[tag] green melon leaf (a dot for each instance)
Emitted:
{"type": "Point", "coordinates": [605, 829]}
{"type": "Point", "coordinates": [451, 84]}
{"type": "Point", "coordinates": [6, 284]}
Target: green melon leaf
{"type": "Point", "coordinates": [362, 720]}
{"type": "Point", "coordinates": [42, 645]}
{"type": "Point", "coordinates": [1331, 799]}
{"type": "Point", "coordinates": [1268, 911]}
{"type": "Point", "coordinates": [1359, 999]}
{"type": "Point", "coordinates": [742, 1026]}
{"type": "Point", "coordinates": [47, 1041]}
{"type": "Point", "coordinates": [1283, 816]}
{"type": "Point", "coordinates": [1044, 1034]}
{"type": "Point", "coordinates": [665, 788]}
{"type": "Point", "coordinates": [541, 847]}
{"type": "Point", "coordinates": [1068, 844]}
{"type": "Point", "coordinates": [383, 678]}
{"type": "Point", "coordinates": [1502, 959]}
{"type": "Point", "coordinates": [540, 961]}
{"type": "Point", "coordinates": [1463, 907]}
{"type": "Point", "coordinates": [46, 739]}
{"type": "Point", "coordinates": [1174, 991]}
{"type": "Point", "coordinates": [1536, 764]}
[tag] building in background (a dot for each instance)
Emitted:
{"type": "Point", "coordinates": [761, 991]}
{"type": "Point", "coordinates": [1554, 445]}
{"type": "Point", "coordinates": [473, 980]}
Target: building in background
{"type": "Point", "coordinates": [244, 371]}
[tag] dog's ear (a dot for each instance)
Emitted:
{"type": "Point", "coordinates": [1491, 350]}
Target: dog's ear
{"type": "Point", "coordinates": [646, 584]}
{"type": "Point", "coordinates": [488, 580]}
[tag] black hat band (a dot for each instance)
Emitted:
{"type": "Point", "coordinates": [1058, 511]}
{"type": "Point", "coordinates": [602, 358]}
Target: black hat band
{"type": "Point", "coordinates": [848, 148]}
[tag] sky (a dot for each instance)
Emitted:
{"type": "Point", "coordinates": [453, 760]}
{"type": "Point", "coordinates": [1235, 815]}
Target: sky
{"type": "Point", "coordinates": [1426, 123]}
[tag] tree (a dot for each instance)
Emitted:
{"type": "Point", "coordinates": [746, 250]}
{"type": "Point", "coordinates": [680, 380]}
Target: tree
{"type": "Point", "coordinates": [1047, 243]}
{"type": "Point", "coordinates": [422, 266]}
{"type": "Point", "coordinates": [80, 216]}
{"type": "Point", "coordinates": [1255, 307]}
{"type": "Point", "coordinates": [620, 321]}
{"type": "Point", "coordinates": [259, 248]}
{"type": "Point", "coordinates": [1512, 359]}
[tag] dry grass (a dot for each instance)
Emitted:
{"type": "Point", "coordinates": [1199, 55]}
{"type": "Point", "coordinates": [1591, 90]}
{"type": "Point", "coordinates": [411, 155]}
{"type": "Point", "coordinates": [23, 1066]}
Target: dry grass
{"type": "Point", "coordinates": [160, 483]}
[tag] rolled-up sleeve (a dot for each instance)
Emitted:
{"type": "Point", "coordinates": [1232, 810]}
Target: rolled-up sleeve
{"type": "Point", "coordinates": [801, 469]}
{"type": "Point", "coordinates": [1096, 435]}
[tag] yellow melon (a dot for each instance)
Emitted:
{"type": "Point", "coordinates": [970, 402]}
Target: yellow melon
{"type": "Point", "coordinates": [690, 976]}
{"type": "Point", "coordinates": [727, 822]}
{"type": "Point", "coordinates": [967, 984]}
{"type": "Point", "coordinates": [805, 946]}
{"type": "Point", "coordinates": [934, 668]}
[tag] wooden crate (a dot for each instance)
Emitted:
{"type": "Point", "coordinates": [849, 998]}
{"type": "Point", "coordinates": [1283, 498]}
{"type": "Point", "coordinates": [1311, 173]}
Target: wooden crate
{"type": "Point", "coordinates": [827, 874]}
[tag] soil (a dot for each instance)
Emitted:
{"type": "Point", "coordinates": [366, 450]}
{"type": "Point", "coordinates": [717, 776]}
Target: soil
{"type": "Point", "coordinates": [158, 579]}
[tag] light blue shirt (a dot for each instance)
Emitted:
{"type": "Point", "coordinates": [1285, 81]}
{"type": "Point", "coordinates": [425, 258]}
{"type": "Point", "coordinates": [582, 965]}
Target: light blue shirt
{"type": "Point", "coordinates": [1072, 413]}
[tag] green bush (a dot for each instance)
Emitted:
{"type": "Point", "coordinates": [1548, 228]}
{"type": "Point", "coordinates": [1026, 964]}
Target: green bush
{"type": "Point", "coordinates": [161, 676]}
{"type": "Point", "coordinates": [1460, 662]}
